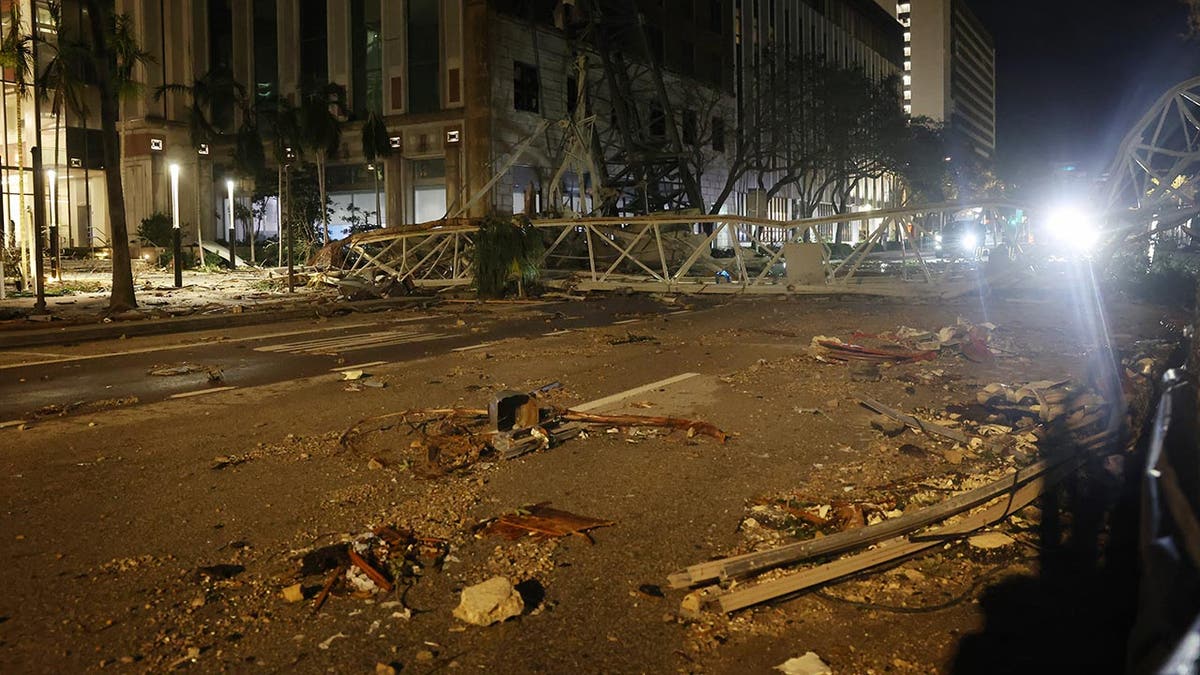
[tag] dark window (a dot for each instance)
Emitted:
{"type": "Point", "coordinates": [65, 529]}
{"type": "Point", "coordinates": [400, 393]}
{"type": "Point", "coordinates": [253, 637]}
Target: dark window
{"type": "Point", "coordinates": [314, 44]}
{"type": "Point", "coordinates": [718, 134]}
{"type": "Point", "coordinates": [423, 61]}
{"type": "Point", "coordinates": [266, 51]}
{"type": "Point", "coordinates": [367, 72]}
{"type": "Point", "coordinates": [687, 57]}
{"type": "Point", "coordinates": [716, 21]}
{"type": "Point", "coordinates": [525, 87]}
{"type": "Point", "coordinates": [220, 56]}
{"type": "Point", "coordinates": [689, 127]}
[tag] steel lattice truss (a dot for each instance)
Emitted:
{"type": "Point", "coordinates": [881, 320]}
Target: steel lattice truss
{"type": "Point", "coordinates": [1159, 161]}
{"type": "Point", "coordinates": [640, 158]}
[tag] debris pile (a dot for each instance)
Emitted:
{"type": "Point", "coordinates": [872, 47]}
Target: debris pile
{"type": "Point", "coordinates": [366, 565]}
{"type": "Point", "coordinates": [908, 345]}
{"type": "Point", "coordinates": [514, 424]}
{"type": "Point", "coordinates": [1064, 420]}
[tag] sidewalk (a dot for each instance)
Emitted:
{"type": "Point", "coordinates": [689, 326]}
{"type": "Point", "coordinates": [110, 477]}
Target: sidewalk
{"type": "Point", "coordinates": [208, 300]}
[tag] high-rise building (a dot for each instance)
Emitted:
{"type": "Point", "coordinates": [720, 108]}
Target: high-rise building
{"type": "Point", "coordinates": [950, 71]}
{"type": "Point", "coordinates": [460, 86]}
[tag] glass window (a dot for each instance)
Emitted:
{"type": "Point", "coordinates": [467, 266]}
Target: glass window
{"type": "Point", "coordinates": [220, 56]}
{"type": "Point", "coordinates": [423, 62]}
{"type": "Point", "coordinates": [367, 85]}
{"type": "Point", "coordinates": [266, 51]}
{"type": "Point", "coordinates": [525, 87]}
{"type": "Point", "coordinates": [314, 43]}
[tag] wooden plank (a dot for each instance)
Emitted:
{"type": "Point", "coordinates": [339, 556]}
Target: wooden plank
{"type": "Point", "coordinates": [751, 563]}
{"type": "Point", "coordinates": [920, 425]}
{"type": "Point", "coordinates": [898, 548]}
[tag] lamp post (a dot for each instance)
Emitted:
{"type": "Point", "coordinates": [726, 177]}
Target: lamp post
{"type": "Point", "coordinates": [176, 234]}
{"type": "Point", "coordinates": [232, 231]}
{"type": "Point", "coordinates": [52, 187]}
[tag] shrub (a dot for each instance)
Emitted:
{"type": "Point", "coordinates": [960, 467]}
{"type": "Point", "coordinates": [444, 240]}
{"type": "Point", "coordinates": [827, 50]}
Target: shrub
{"type": "Point", "coordinates": [506, 250]}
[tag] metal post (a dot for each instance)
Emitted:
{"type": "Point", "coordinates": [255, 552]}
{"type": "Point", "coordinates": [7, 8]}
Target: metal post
{"type": "Point", "coordinates": [232, 227]}
{"type": "Point", "coordinates": [55, 253]}
{"type": "Point", "coordinates": [175, 231]}
{"type": "Point", "coordinates": [39, 221]}
{"type": "Point", "coordinates": [287, 186]}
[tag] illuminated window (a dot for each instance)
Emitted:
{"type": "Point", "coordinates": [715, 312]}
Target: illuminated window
{"type": "Point", "coordinates": [908, 65]}
{"type": "Point", "coordinates": [908, 80]}
{"type": "Point", "coordinates": [907, 94]}
{"type": "Point", "coordinates": [908, 51]}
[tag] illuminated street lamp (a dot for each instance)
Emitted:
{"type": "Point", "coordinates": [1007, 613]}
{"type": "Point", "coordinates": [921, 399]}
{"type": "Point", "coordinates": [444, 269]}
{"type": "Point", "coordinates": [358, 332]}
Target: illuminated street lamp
{"type": "Point", "coordinates": [232, 231]}
{"type": "Point", "coordinates": [176, 234]}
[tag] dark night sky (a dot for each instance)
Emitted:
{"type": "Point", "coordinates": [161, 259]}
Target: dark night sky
{"type": "Point", "coordinates": [1074, 75]}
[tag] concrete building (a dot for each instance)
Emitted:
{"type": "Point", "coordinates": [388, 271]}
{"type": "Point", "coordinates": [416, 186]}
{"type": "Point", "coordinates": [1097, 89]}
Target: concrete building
{"type": "Point", "coordinates": [460, 84]}
{"type": "Point", "coordinates": [950, 70]}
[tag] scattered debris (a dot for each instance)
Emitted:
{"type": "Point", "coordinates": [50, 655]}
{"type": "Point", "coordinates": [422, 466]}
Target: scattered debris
{"type": "Point", "coordinates": [293, 593]}
{"type": "Point", "coordinates": [630, 338]}
{"type": "Point", "coordinates": [990, 540]}
{"type": "Point", "coordinates": [833, 350]}
{"type": "Point", "coordinates": [928, 427]}
{"type": "Point", "coordinates": [489, 602]}
{"type": "Point", "coordinates": [329, 640]}
{"type": "Point", "coordinates": [349, 375]}
{"type": "Point", "coordinates": [542, 521]}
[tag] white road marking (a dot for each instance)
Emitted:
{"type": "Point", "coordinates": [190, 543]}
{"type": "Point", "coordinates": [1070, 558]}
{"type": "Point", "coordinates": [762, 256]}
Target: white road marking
{"type": "Point", "coordinates": [201, 392]}
{"type": "Point", "coordinates": [618, 323]}
{"type": "Point", "coordinates": [481, 345]}
{"type": "Point", "coordinates": [556, 332]}
{"type": "Point", "coordinates": [682, 311]}
{"type": "Point", "coordinates": [12, 423]}
{"type": "Point", "coordinates": [13, 351]}
{"type": "Point", "coordinates": [189, 345]}
{"type": "Point", "coordinates": [357, 367]}
{"type": "Point", "coordinates": [349, 343]}
{"type": "Point", "coordinates": [616, 398]}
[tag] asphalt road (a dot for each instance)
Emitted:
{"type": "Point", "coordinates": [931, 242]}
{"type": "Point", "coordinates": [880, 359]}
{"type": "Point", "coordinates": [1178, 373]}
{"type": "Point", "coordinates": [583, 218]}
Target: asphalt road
{"type": "Point", "coordinates": [56, 381]}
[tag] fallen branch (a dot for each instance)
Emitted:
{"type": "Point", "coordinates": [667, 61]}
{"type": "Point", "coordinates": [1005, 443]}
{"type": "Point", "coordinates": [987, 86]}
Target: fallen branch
{"type": "Point", "coordinates": [329, 582]}
{"type": "Point", "coordinates": [691, 426]}
{"type": "Point", "coordinates": [433, 412]}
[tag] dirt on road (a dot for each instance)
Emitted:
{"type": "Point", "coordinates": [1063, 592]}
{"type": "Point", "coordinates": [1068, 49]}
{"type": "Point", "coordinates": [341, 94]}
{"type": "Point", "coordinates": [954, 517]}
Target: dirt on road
{"type": "Point", "coordinates": [161, 537]}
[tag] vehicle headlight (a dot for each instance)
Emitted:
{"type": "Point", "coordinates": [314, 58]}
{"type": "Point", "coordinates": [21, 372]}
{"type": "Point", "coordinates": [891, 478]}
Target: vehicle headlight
{"type": "Point", "coordinates": [1074, 228]}
{"type": "Point", "coordinates": [969, 242]}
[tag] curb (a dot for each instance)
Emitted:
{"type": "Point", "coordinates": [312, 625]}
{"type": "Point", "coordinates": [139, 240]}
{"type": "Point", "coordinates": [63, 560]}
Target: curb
{"type": "Point", "coordinates": [185, 324]}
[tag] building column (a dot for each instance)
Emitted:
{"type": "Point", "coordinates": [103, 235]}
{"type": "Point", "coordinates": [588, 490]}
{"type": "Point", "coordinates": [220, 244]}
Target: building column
{"type": "Point", "coordinates": [243, 49]}
{"type": "Point", "coordinates": [338, 38]}
{"type": "Point", "coordinates": [477, 137]}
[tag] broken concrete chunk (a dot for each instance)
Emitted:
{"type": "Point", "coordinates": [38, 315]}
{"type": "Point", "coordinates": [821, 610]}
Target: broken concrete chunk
{"type": "Point", "coordinates": [809, 664]}
{"type": "Point", "coordinates": [489, 602]}
{"type": "Point", "coordinates": [293, 593]}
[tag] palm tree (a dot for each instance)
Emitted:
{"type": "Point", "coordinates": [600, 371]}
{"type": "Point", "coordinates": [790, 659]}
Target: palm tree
{"type": "Point", "coordinates": [320, 115]}
{"type": "Point", "coordinates": [116, 55]}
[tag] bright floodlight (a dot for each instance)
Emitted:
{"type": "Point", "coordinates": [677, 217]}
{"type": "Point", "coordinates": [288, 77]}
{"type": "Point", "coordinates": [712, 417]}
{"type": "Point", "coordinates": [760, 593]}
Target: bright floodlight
{"type": "Point", "coordinates": [1073, 227]}
{"type": "Point", "coordinates": [175, 171]}
{"type": "Point", "coordinates": [969, 242]}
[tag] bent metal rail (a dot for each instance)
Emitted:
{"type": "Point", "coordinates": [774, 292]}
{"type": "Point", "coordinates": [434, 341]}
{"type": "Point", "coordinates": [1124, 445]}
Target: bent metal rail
{"type": "Point", "coordinates": [675, 253]}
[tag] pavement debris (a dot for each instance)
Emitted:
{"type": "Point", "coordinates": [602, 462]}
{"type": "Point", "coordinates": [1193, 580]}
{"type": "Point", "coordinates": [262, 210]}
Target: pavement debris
{"type": "Point", "coordinates": [539, 520]}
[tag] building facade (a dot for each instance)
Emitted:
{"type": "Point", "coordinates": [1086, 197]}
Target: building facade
{"type": "Point", "coordinates": [950, 71]}
{"type": "Point", "coordinates": [481, 100]}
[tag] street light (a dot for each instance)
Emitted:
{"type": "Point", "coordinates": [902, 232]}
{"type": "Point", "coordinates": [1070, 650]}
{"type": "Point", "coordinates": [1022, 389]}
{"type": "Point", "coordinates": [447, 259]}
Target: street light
{"type": "Point", "coordinates": [176, 234]}
{"type": "Point", "coordinates": [232, 231]}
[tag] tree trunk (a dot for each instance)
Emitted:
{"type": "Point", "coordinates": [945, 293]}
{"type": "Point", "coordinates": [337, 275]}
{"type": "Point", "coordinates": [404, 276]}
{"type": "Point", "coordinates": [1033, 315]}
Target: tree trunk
{"type": "Point", "coordinates": [122, 297]}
